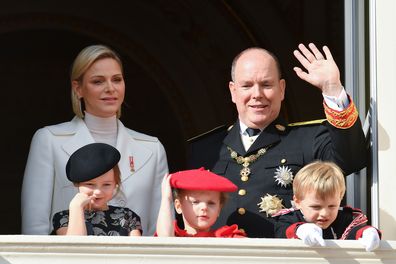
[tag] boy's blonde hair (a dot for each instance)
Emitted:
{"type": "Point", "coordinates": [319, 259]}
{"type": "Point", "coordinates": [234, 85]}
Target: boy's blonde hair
{"type": "Point", "coordinates": [323, 177]}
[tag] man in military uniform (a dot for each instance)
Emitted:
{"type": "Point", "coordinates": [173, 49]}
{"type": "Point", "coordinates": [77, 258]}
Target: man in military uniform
{"type": "Point", "coordinates": [261, 153]}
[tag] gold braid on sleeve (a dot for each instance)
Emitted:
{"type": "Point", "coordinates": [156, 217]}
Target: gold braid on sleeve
{"type": "Point", "coordinates": [342, 119]}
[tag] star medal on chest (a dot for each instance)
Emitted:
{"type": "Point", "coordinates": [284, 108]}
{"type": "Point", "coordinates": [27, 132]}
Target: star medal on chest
{"type": "Point", "coordinates": [246, 161]}
{"type": "Point", "coordinates": [283, 176]}
{"type": "Point", "coordinates": [270, 204]}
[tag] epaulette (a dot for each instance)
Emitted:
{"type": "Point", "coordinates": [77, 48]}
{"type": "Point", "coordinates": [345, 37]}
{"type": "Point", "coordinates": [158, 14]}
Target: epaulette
{"type": "Point", "coordinates": [350, 209]}
{"type": "Point", "coordinates": [305, 123]}
{"type": "Point", "coordinates": [207, 133]}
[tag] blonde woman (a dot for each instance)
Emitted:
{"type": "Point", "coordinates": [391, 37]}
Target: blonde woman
{"type": "Point", "coordinates": [97, 93]}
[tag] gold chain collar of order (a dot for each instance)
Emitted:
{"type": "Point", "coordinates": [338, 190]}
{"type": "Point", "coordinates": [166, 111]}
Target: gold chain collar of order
{"type": "Point", "coordinates": [246, 161]}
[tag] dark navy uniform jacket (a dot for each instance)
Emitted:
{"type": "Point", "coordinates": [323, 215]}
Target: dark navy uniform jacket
{"type": "Point", "coordinates": [288, 146]}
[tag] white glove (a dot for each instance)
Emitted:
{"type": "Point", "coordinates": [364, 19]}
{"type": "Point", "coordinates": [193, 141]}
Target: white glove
{"type": "Point", "coordinates": [310, 234]}
{"type": "Point", "coordinates": [370, 239]}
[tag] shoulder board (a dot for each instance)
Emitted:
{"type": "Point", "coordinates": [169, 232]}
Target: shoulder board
{"type": "Point", "coordinates": [350, 209]}
{"type": "Point", "coordinates": [214, 130]}
{"type": "Point", "coordinates": [304, 123]}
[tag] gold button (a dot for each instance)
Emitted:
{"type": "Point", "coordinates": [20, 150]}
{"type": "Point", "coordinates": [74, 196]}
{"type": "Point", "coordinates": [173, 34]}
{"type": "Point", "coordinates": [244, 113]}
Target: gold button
{"type": "Point", "coordinates": [242, 192]}
{"type": "Point", "coordinates": [244, 178]}
{"type": "Point", "coordinates": [241, 211]}
{"type": "Point", "coordinates": [283, 161]}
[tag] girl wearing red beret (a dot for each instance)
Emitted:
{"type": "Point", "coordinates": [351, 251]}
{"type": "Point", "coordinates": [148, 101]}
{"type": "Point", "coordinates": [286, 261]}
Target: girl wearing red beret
{"type": "Point", "coordinates": [199, 196]}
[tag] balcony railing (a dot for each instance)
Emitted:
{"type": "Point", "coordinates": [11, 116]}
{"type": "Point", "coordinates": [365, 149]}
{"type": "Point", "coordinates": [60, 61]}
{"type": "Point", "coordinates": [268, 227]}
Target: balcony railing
{"type": "Point", "coordinates": [19, 249]}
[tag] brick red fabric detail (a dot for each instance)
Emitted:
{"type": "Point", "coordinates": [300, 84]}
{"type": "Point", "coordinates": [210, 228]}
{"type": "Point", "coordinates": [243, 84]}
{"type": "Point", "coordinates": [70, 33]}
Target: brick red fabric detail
{"type": "Point", "coordinates": [291, 230]}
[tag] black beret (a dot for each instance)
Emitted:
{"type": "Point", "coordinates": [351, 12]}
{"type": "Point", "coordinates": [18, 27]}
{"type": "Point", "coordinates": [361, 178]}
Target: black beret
{"type": "Point", "coordinates": [91, 161]}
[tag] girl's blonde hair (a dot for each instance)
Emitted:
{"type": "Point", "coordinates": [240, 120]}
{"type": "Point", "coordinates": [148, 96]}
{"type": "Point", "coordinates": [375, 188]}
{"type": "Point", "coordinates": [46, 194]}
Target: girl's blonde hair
{"type": "Point", "coordinates": [323, 177]}
{"type": "Point", "coordinates": [82, 63]}
{"type": "Point", "coordinates": [117, 179]}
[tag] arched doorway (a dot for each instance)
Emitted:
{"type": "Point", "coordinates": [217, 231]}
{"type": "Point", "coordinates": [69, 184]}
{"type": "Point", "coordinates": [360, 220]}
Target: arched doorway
{"type": "Point", "coordinates": [177, 57]}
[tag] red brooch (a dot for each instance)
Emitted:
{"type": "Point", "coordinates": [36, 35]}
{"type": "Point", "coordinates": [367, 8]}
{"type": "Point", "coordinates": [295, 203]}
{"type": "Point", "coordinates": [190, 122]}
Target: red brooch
{"type": "Point", "coordinates": [131, 164]}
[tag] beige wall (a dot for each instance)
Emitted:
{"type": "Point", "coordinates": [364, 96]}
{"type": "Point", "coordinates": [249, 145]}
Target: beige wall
{"type": "Point", "coordinates": [386, 101]}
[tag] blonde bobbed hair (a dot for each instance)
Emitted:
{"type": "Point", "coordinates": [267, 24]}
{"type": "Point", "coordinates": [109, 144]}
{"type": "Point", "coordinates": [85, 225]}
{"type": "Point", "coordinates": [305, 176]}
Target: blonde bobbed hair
{"type": "Point", "coordinates": [81, 64]}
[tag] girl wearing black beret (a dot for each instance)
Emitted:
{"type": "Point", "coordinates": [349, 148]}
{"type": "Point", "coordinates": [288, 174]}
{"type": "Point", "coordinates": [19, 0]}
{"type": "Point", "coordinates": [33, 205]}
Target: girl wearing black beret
{"type": "Point", "coordinates": [94, 171]}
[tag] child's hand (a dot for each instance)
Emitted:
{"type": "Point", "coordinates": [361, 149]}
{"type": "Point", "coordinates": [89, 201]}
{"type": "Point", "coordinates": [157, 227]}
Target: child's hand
{"type": "Point", "coordinates": [166, 189]}
{"type": "Point", "coordinates": [370, 239]}
{"type": "Point", "coordinates": [80, 200]}
{"type": "Point", "coordinates": [166, 213]}
{"type": "Point", "coordinates": [310, 234]}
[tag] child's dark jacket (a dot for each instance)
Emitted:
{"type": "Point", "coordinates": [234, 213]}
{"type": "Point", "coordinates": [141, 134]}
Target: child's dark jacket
{"type": "Point", "coordinates": [349, 224]}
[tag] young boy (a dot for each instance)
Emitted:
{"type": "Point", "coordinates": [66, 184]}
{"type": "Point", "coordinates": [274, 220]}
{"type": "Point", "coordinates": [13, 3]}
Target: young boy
{"type": "Point", "coordinates": [199, 196]}
{"type": "Point", "coordinates": [318, 190]}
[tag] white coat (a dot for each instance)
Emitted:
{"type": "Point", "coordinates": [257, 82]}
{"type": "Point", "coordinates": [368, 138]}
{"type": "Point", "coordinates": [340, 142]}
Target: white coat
{"type": "Point", "coordinates": [46, 189]}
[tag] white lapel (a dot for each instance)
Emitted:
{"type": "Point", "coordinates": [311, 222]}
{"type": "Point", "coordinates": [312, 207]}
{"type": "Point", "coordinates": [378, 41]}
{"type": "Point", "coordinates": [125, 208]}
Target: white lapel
{"type": "Point", "coordinates": [81, 137]}
{"type": "Point", "coordinates": [133, 154]}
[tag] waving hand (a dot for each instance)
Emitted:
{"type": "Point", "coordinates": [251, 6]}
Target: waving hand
{"type": "Point", "coordinates": [321, 70]}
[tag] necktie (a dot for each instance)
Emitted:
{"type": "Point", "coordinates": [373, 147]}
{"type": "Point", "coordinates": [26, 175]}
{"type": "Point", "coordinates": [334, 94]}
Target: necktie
{"type": "Point", "coordinates": [252, 131]}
